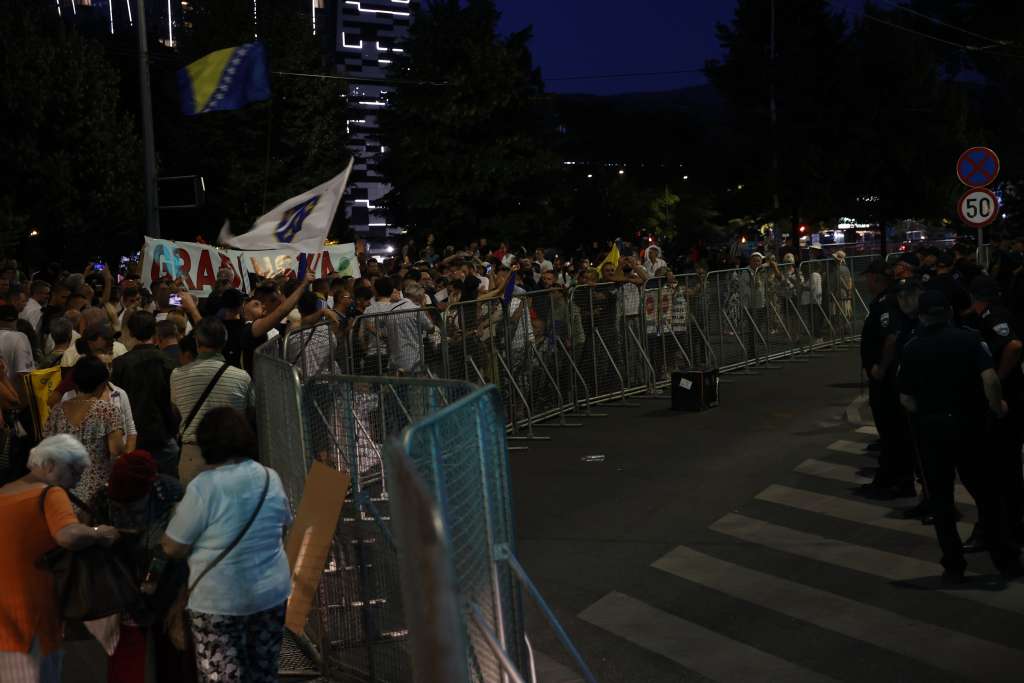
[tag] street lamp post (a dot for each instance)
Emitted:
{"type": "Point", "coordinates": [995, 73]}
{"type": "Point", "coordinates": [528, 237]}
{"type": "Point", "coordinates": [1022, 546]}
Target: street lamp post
{"type": "Point", "coordinates": [148, 141]}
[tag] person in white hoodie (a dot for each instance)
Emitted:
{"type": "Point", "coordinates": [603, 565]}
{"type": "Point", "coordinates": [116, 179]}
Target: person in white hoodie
{"type": "Point", "coordinates": [652, 260]}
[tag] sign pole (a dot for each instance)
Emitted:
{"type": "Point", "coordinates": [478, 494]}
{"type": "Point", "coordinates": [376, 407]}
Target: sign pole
{"type": "Point", "coordinates": [148, 138]}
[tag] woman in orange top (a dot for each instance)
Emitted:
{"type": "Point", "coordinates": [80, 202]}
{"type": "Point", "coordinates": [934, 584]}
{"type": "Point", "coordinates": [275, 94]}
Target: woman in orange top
{"type": "Point", "coordinates": [30, 625]}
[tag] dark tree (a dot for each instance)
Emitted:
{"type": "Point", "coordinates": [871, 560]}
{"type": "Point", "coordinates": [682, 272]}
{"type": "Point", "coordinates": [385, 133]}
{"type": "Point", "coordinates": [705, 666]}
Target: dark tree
{"type": "Point", "coordinates": [788, 167]}
{"type": "Point", "coordinates": [468, 138]}
{"type": "Point", "coordinates": [72, 162]}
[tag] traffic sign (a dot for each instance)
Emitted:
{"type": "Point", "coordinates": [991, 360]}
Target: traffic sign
{"type": "Point", "coordinates": [977, 167]}
{"type": "Point", "coordinates": [978, 207]}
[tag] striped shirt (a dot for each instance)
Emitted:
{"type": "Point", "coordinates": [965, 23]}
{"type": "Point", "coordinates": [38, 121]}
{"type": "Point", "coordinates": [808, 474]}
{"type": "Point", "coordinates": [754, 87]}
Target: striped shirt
{"type": "Point", "coordinates": [188, 383]}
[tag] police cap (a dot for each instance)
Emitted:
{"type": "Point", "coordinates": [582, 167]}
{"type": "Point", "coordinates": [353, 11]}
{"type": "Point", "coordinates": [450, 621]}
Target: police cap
{"type": "Point", "coordinates": [984, 288]}
{"type": "Point", "coordinates": [932, 302]}
{"type": "Point", "coordinates": [907, 285]}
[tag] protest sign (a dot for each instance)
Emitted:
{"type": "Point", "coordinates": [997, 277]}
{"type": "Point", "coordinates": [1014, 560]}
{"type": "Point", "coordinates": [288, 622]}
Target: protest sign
{"type": "Point", "coordinates": [197, 264]}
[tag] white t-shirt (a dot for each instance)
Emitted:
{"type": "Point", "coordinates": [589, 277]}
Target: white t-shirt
{"type": "Point", "coordinates": [17, 353]}
{"type": "Point", "coordinates": [254, 576]}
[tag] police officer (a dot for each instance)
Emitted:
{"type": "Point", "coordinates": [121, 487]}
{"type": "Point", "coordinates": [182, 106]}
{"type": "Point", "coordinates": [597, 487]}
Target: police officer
{"type": "Point", "coordinates": [879, 355]}
{"type": "Point", "coordinates": [946, 380]}
{"type": "Point", "coordinates": [995, 324]}
{"type": "Point", "coordinates": [947, 280]}
{"type": "Point", "coordinates": [872, 339]}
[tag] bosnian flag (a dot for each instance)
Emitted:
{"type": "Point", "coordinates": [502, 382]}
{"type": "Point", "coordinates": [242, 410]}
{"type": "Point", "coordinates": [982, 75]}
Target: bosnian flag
{"type": "Point", "coordinates": [300, 223]}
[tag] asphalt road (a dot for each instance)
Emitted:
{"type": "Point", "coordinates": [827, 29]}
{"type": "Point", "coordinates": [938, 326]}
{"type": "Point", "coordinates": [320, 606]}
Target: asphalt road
{"type": "Point", "coordinates": [728, 546]}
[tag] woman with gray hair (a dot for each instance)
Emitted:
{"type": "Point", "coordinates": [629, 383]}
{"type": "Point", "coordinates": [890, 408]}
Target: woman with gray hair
{"type": "Point", "coordinates": [36, 520]}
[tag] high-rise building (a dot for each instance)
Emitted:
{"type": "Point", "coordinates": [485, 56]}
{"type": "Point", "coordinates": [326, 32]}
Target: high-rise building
{"type": "Point", "coordinates": [370, 35]}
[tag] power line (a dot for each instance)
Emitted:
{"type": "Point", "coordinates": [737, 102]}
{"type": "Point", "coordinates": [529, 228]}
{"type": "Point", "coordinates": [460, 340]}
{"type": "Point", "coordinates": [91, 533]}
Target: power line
{"type": "Point", "coordinates": [384, 81]}
{"type": "Point", "coordinates": [934, 20]}
{"type": "Point", "coordinates": [959, 46]}
{"type": "Point", "coordinates": [626, 75]}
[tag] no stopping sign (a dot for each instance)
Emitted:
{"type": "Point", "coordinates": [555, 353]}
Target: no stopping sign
{"type": "Point", "coordinates": [978, 207]}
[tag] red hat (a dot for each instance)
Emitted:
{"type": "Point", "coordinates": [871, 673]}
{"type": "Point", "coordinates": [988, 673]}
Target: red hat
{"type": "Point", "coordinates": [131, 476]}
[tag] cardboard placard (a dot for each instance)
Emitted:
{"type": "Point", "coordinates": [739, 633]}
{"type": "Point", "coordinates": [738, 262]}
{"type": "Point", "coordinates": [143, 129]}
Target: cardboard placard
{"type": "Point", "coordinates": [309, 539]}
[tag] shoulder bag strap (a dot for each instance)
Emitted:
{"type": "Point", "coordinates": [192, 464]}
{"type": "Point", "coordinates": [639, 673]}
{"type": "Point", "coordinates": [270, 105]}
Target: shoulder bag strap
{"type": "Point", "coordinates": [202, 399]}
{"type": "Point", "coordinates": [241, 534]}
{"type": "Point", "coordinates": [75, 500]}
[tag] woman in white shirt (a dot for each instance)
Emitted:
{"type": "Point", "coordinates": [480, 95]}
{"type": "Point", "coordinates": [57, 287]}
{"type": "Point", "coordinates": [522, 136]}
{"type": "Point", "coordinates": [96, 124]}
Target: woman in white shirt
{"type": "Point", "coordinates": [237, 605]}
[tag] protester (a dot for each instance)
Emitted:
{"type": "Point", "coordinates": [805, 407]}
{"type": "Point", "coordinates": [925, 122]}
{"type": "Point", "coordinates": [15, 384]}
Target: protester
{"type": "Point", "coordinates": [140, 500]}
{"type": "Point", "coordinates": [203, 385]}
{"type": "Point", "coordinates": [168, 339]}
{"type": "Point", "coordinates": [36, 520]}
{"type": "Point", "coordinates": [237, 605]}
{"type": "Point", "coordinates": [61, 331]}
{"type": "Point", "coordinates": [97, 423]}
{"type": "Point", "coordinates": [145, 373]}
{"type": "Point", "coordinates": [39, 296]}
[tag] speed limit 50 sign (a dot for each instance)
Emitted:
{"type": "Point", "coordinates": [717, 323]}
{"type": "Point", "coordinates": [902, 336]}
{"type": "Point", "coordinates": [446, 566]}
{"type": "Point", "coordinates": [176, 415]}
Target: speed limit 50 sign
{"type": "Point", "coordinates": [978, 207]}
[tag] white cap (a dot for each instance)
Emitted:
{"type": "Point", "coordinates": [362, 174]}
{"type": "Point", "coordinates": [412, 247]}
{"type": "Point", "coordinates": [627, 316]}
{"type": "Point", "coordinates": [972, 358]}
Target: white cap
{"type": "Point", "coordinates": [758, 255]}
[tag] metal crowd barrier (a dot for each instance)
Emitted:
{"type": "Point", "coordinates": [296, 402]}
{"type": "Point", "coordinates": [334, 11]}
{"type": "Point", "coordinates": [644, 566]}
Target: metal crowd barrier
{"type": "Point", "coordinates": [356, 630]}
{"type": "Point", "coordinates": [451, 474]}
{"type": "Point", "coordinates": [555, 353]}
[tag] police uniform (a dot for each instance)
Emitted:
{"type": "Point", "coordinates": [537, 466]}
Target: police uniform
{"type": "Point", "coordinates": [1005, 438]}
{"type": "Point", "coordinates": [941, 371]}
{"type": "Point", "coordinates": [895, 472]}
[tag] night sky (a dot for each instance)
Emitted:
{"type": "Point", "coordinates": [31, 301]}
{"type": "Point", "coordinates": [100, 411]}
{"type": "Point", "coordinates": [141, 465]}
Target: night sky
{"type": "Point", "coordinates": [591, 37]}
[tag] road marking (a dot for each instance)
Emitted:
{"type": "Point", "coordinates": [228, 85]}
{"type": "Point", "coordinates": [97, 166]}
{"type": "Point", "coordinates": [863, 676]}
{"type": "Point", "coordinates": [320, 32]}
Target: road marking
{"type": "Point", "coordinates": [848, 474]}
{"type": "Point", "coordinates": [851, 447]}
{"type": "Point", "coordinates": [697, 648]}
{"type": "Point", "coordinates": [853, 411]}
{"type": "Point", "coordinates": [960, 653]}
{"type": "Point", "coordinates": [868, 429]}
{"type": "Point", "coordinates": [878, 563]}
{"type": "Point", "coordinates": [849, 510]}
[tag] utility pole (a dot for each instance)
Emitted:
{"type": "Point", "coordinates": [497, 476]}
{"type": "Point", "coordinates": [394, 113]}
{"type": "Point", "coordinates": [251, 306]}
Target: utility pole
{"type": "Point", "coordinates": [148, 141]}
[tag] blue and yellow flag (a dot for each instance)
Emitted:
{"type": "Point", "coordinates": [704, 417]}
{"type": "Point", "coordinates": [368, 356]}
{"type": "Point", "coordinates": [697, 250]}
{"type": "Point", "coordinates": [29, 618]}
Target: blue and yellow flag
{"type": "Point", "coordinates": [226, 79]}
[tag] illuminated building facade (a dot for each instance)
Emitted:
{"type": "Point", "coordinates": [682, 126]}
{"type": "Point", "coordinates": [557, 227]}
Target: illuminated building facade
{"type": "Point", "coordinates": [370, 35]}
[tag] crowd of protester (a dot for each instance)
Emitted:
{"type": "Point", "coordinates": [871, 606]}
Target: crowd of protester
{"type": "Point", "coordinates": [149, 443]}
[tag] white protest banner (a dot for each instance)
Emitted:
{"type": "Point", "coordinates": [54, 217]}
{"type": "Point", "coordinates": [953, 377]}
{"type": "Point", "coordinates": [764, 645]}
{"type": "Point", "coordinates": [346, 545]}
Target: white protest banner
{"type": "Point", "coordinates": [196, 265]}
{"type": "Point", "coordinates": [339, 258]}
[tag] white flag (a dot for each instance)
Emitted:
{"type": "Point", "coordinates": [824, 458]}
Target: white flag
{"type": "Point", "coordinates": [300, 223]}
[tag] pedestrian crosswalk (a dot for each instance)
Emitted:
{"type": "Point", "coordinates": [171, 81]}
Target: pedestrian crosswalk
{"type": "Point", "coordinates": [834, 567]}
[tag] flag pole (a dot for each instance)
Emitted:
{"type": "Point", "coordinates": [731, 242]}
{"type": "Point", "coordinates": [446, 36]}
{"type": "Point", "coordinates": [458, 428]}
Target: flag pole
{"type": "Point", "coordinates": [149, 144]}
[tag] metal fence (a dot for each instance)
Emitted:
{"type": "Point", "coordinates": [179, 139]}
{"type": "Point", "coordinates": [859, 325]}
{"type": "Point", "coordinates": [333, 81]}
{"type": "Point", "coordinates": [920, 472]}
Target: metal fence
{"type": "Point", "coordinates": [357, 625]}
{"type": "Point", "coordinates": [553, 353]}
{"type": "Point", "coordinates": [461, 457]}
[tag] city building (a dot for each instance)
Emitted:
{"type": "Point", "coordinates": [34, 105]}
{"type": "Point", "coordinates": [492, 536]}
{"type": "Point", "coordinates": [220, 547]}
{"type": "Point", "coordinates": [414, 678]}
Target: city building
{"type": "Point", "coordinates": [370, 34]}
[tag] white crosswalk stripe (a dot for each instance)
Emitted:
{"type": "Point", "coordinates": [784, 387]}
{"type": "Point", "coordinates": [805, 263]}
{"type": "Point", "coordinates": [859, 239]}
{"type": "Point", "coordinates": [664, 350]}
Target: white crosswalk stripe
{"type": "Point", "coordinates": [879, 563]}
{"type": "Point", "coordinates": [695, 647]}
{"type": "Point", "coordinates": [851, 447]}
{"type": "Point", "coordinates": [940, 647]}
{"type": "Point", "coordinates": [849, 510]}
{"type": "Point", "coordinates": [848, 474]}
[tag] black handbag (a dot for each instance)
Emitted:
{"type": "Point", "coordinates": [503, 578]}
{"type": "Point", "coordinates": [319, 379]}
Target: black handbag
{"type": "Point", "coordinates": [90, 583]}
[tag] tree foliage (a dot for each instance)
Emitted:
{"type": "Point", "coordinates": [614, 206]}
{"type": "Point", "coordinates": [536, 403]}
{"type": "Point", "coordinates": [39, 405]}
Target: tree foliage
{"type": "Point", "coordinates": [469, 142]}
{"type": "Point", "coordinates": [72, 158]}
{"type": "Point", "coordinates": [869, 118]}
